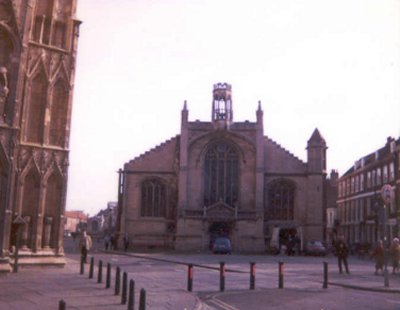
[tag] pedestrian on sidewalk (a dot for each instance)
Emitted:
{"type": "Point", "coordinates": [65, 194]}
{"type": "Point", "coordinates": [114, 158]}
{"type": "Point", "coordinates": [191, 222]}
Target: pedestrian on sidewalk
{"type": "Point", "coordinates": [107, 240]}
{"type": "Point", "coordinates": [126, 242]}
{"type": "Point", "coordinates": [395, 254]}
{"type": "Point", "coordinates": [85, 244]}
{"type": "Point", "coordinates": [379, 255]}
{"type": "Point", "coordinates": [342, 252]}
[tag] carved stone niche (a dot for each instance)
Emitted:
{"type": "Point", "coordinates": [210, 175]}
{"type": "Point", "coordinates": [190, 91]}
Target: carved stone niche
{"type": "Point", "coordinates": [47, 232]}
{"type": "Point", "coordinates": [25, 233]}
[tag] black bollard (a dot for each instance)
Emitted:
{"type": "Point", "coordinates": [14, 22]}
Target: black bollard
{"type": "Point", "coordinates": [222, 276]}
{"type": "Point", "coordinates": [190, 278]}
{"type": "Point", "coordinates": [62, 305]}
{"type": "Point", "coordinates": [325, 285]}
{"type": "Point", "coordinates": [108, 275]}
{"type": "Point", "coordinates": [91, 268]}
{"type": "Point", "coordinates": [100, 273]}
{"type": "Point", "coordinates": [124, 288]}
{"type": "Point", "coordinates": [117, 281]}
{"type": "Point", "coordinates": [252, 275]}
{"type": "Point", "coordinates": [82, 269]}
{"type": "Point", "coordinates": [142, 300]}
{"type": "Point", "coordinates": [280, 275]}
{"type": "Point", "coordinates": [131, 297]}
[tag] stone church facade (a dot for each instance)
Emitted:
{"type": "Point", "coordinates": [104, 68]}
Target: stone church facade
{"type": "Point", "coordinates": [222, 177]}
{"type": "Point", "coordinates": [38, 45]}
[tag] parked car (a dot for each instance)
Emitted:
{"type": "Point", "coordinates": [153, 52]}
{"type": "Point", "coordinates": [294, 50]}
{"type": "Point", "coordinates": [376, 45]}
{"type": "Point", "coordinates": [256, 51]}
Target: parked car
{"type": "Point", "coordinates": [314, 248]}
{"type": "Point", "coordinates": [222, 245]}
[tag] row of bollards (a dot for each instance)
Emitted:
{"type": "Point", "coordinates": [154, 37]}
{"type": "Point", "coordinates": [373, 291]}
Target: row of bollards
{"type": "Point", "coordinates": [126, 297]}
{"type": "Point", "coordinates": [222, 271]}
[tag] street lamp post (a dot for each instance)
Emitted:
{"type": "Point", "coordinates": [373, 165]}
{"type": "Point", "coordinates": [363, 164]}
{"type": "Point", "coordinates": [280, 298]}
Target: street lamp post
{"type": "Point", "coordinates": [386, 244]}
{"type": "Point", "coordinates": [387, 195]}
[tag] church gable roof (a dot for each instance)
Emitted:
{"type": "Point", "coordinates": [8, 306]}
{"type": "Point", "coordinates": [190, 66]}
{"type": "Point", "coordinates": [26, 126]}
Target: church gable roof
{"type": "Point", "coordinates": [280, 160]}
{"type": "Point", "coordinates": [162, 157]}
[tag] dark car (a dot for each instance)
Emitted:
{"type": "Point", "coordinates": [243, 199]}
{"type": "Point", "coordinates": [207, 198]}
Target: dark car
{"type": "Point", "coordinates": [315, 248]}
{"type": "Point", "coordinates": [222, 245]}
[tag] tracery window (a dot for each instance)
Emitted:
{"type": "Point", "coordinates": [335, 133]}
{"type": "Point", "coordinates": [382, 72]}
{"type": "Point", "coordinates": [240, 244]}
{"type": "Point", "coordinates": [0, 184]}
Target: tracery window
{"type": "Point", "coordinates": [154, 198]}
{"type": "Point", "coordinates": [37, 106]}
{"type": "Point", "coordinates": [281, 195]}
{"type": "Point", "coordinates": [58, 114]}
{"type": "Point", "coordinates": [221, 174]}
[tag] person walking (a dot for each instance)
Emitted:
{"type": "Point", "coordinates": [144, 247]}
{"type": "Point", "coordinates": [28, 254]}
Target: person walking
{"type": "Point", "coordinates": [107, 240]}
{"type": "Point", "coordinates": [379, 255]}
{"type": "Point", "coordinates": [342, 252]}
{"type": "Point", "coordinates": [126, 242]}
{"type": "Point", "coordinates": [85, 244]}
{"type": "Point", "coordinates": [395, 254]}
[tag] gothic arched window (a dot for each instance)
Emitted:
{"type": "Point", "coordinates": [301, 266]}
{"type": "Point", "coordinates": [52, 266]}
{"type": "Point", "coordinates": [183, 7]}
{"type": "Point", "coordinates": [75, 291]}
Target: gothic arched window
{"type": "Point", "coordinates": [37, 106]}
{"type": "Point", "coordinates": [58, 114]}
{"type": "Point", "coordinates": [154, 198]}
{"type": "Point", "coordinates": [221, 174]}
{"type": "Point", "coordinates": [281, 194]}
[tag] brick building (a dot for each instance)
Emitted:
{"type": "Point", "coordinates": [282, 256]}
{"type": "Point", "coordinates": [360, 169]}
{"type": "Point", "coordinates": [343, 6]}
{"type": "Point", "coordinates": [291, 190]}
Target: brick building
{"type": "Point", "coordinates": [223, 177]}
{"type": "Point", "coordinates": [38, 44]}
{"type": "Point", "coordinates": [75, 220]}
{"type": "Point", "coordinates": [360, 204]}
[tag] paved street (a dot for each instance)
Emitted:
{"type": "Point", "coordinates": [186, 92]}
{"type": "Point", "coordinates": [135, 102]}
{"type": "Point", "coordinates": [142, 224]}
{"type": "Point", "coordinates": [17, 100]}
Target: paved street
{"type": "Point", "coordinates": [164, 277]}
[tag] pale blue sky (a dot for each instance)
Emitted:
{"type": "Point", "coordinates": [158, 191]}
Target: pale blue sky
{"type": "Point", "coordinates": [334, 65]}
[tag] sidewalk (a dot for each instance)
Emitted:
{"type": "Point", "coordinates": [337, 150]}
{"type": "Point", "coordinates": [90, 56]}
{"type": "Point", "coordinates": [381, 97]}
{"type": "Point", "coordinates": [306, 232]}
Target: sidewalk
{"type": "Point", "coordinates": [39, 288]}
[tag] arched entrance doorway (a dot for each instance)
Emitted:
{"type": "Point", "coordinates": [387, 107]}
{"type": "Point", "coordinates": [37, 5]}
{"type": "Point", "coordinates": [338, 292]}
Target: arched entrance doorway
{"type": "Point", "coordinates": [219, 229]}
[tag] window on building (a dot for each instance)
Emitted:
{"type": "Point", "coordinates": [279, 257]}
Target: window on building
{"type": "Point", "coordinates": [385, 174]}
{"type": "Point", "coordinates": [361, 181]}
{"type": "Point", "coordinates": [154, 198]}
{"type": "Point", "coordinates": [221, 174]}
{"type": "Point", "coordinates": [352, 185]}
{"type": "Point", "coordinates": [391, 172]}
{"type": "Point", "coordinates": [357, 183]}
{"type": "Point", "coordinates": [373, 178]}
{"type": "Point", "coordinates": [281, 196]}
{"type": "Point", "coordinates": [378, 176]}
{"type": "Point", "coordinates": [58, 115]}
{"type": "Point", "coordinates": [369, 179]}
{"type": "Point", "coordinates": [36, 110]}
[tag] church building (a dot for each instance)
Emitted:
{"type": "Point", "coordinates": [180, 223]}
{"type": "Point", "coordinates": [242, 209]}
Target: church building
{"type": "Point", "coordinates": [223, 177]}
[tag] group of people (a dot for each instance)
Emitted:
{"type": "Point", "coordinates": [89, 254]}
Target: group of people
{"type": "Point", "coordinates": [85, 243]}
{"type": "Point", "coordinates": [393, 252]}
{"type": "Point", "coordinates": [110, 242]}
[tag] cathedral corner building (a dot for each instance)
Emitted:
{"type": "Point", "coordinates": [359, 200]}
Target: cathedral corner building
{"type": "Point", "coordinates": [223, 178]}
{"type": "Point", "coordinates": [38, 46]}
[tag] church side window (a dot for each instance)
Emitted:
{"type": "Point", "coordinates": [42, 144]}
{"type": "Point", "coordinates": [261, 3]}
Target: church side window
{"type": "Point", "coordinates": [58, 114]}
{"type": "Point", "coordinates": [221, 174]}
{"type": "Point", "coordinates": [281, 194]}
{"type": "Point", "coordinates": [154, 198]}
{"type": "Point", "coordinates": [35, 113]}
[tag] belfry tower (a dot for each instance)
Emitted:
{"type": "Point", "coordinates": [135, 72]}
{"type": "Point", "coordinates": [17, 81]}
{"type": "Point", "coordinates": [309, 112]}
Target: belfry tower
{"type": "Point", "coordinates": [222, 113]}
{"type": "Point", "coordinates": [38, 46]}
